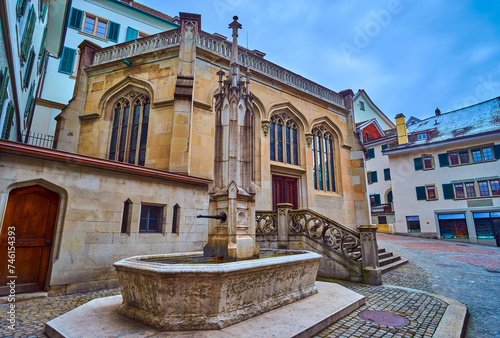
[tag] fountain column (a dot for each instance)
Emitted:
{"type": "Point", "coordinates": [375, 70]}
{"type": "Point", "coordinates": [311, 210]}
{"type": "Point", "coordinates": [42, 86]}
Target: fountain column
{"type": "Point", "coordinates": [233, 192]}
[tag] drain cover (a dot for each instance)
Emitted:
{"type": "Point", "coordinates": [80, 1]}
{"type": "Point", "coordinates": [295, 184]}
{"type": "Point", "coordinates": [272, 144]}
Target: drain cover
{"type": "Point", "coordinates": [384, 318]}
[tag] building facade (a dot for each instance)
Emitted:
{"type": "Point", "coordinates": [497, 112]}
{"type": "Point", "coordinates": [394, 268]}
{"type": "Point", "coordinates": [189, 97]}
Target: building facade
{"type": "Point", "coordinates": [376, 131]}
{"type": "Point", "coordinates": [105, 23]}
{"type": "Point", "coordinates": [25, 25]}
{"type": "Point", "coordinates": [445, 174]}
{"type": "Point", "coordinates": [135, 150]}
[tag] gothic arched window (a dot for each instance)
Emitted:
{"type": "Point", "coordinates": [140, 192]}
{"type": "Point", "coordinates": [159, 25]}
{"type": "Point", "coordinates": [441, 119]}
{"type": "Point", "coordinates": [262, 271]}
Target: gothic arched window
{"type": "Point", "coordinates": [323, 159]}
{"type": "Point", "coordinates": [284, 139]}
{"type": "Point", "coordinates": [129, 132]}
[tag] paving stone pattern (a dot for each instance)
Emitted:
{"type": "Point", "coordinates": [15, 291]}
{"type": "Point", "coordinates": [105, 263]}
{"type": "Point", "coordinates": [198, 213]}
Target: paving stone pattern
{"type": "Point", "coordinates": [422, 310]}
{"type": "Point", "coordinates": [466, 272]}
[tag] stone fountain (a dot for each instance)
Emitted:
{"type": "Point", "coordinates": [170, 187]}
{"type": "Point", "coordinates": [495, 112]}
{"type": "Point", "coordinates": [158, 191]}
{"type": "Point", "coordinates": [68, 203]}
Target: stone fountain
{"type": "Point", "coordinates": [176, 296]}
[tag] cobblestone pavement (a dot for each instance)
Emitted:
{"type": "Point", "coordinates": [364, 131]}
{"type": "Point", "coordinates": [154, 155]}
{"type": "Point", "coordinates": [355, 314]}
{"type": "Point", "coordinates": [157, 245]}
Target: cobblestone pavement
{"type": "Point", "coordinates": [459, 271]}
{"type": "Point", "coordinates": [465, 272]}
{"type": "Point", "coordinates": [423, 311]}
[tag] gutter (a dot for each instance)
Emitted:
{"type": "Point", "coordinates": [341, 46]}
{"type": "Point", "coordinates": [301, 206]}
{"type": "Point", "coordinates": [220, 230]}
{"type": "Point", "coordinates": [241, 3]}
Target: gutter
{"type": "Point", "coordinates": [21, 149]}
{"type": "Point", "coordinates": [10, 61]}
{"type": "Point", "coordinates": [154, 17]}
{"type": "Point", "coordinates": [440, 143]}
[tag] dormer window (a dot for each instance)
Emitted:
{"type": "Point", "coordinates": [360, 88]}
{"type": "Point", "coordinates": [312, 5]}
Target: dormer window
{"type": "Point", "coordinates": [422, 136]}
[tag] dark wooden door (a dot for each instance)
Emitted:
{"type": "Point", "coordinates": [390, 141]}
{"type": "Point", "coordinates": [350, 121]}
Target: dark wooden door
{"type": "Point", "coordinates": [285, 190]}
{"type": "Point", "coordinates": [31, 213]}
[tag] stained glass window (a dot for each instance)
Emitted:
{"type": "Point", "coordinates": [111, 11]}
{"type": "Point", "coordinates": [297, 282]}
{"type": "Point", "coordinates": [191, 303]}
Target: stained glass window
{"type": "Point", "coordinates": [284, 139]}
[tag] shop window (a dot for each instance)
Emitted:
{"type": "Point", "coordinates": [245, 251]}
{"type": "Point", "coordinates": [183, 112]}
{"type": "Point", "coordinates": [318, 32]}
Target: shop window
{"type": "Point", "coordinates": [323, 159]}
{"type": "Point", "coordinates": [484, 223]}
{"type": "Point", "coordinates": [284, 139]}
{"type": "Point", "coordinates": [453, 226]}
{"type": "Point", "coordinates": [130, 129]}
{"type": "Point", "coordinates": [151, 218]}
{"type": "Point", "coordinates": [413, 223]}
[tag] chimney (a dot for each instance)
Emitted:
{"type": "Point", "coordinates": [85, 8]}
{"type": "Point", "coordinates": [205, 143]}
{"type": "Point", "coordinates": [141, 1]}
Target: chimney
{"type": "Point", "coordinates": [438, 112]}
{"type": "Point", "coordinates": [401, 129]}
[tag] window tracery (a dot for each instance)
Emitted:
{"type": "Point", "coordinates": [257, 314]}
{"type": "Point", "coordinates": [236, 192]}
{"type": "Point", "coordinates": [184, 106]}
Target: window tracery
{"type": "Point", "coordinates": [284, 139]}
{"type": "Point", "coordinates": [129, 131]}
{"type": "Point", "coordinates": [323, 159]}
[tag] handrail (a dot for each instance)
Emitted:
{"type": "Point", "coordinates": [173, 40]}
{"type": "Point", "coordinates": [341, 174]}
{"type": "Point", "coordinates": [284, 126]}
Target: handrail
{"type": "Point", "coordinates": [327, 232]}
{"type": "Point", "coordinates": [266, 222]}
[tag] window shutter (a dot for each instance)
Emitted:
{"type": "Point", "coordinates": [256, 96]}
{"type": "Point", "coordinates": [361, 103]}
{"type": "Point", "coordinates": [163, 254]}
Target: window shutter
{"type": "Point", "coordinates": [419, 163]}
{"type": "Point", "coordinates": [371, 153]}
{"type": "Point", "coordinates": [29, 69]}
{"type": "Point", "coordinates": [75, 20]}
{"type": "Point", "coordinates": [384, 146]}
{"type": "Point", "coordinates": [9, 117]}
{"type": "Point", "coordinates": [377, 198]}
{"type": "Point", "coordinates": [4, 82]}
{"type": "Point", "coordinates": [20, 7]}
{"type": "Point", "coordinates": [131, 34]}
{"type": "Point", "coordinates": [28, 34]}
{"type": "Point", "coordinates": [387, 174]}
{"type": "Point", "coordinates": [448, 192]}
{"type": "Point", "coordinates": [421, 195]}
{"type": "Point", "coordinates": [113, 31]}
{"type": "Point", "coordinates": [496, 151]}
{"type": "Point", "coordinates": [374, 176]}
{"type": "Point", "coordinates": [67, 60]}
{"type": "Point", "coordinates": [444, 160]}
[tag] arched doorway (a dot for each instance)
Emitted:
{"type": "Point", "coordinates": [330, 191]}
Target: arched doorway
{"type": "Point", "coordinates": [28, 227]}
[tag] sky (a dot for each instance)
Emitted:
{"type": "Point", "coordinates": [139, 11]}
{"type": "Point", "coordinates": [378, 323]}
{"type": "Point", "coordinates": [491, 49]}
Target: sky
{"type": "Point", "coordinates": [410, 56]}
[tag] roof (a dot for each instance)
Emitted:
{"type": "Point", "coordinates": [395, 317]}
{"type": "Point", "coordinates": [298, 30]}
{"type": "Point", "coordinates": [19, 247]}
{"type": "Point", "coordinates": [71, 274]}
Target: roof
{"type": "Point", "coordinates": [151, 11]}
{"type": "Point", "coordinates": [478, 119]}
{"type": "Point", "coordinates": [382, 115]}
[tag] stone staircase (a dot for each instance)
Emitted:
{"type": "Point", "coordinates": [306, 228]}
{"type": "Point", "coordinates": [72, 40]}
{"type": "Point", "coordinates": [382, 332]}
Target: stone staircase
{"type": "Point", "coordinates": [388, 261]}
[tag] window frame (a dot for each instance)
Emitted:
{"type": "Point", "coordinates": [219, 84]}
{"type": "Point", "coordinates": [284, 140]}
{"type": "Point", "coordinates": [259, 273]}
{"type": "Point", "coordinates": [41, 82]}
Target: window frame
{"type": "Point", "coordinates": [361, 105]}
{"type": "Point", "coordinates": [457, 157]}
{"type": "Point", "coordinates": [427, 193]}
{"type": "Point", "coordinates": [160, 220]}
{"type": "Point", "coordinates": [324, 159]}
{"type": "Point", "coordinates": [421, 136]}
{"type": "Point", "coordinates": [95, 25]}
{"type": "Point", "coordinates": [275, 134]}
{"type": "Point", "coordinates": [413, 220]}
{"type": "Point", "coordinates": [428, 162]}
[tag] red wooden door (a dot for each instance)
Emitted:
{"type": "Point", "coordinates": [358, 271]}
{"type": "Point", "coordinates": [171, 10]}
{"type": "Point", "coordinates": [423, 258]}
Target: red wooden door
{"type": "Point", "coordinates": [285, 190]}
{"type": "Point", "coordinates": [31, 214]}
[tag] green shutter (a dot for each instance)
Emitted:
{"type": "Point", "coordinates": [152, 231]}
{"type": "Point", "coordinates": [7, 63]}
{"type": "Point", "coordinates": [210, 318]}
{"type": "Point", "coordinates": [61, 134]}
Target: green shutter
{"type": "Point", "coordinates": [4, 77]}
{"type": "Point", "coordinates": [28, 34]}
{"type": "Point", "coordinates": [29, 69]}
{"type": "Point", "coordinates": [113, 31]}
{"type": "Point", "coordinates": [374, 176]}
{"type": "Point", "coordinates": [371, 153]}
{"type": "Point", "coordinates": [496, 151]}
{"type": "Point", "coordinates": [384, 146]}
{"type": "Point", "coordinates": [448, 192]}
{"type": "Point", "coordinates": [377, 198]}
{"type": "Point", "coordinates": [419, 163]}
{"type": "Point", "coordinates": [131, 34]}
{"type": "Point", "coordinates": [387, 174]}
{"type": "Point", "coordinates": [21, 7]}
{"type": "Point", "coordinates": [75, 20]}
{"type": "Point", "coordinates": [444, 160]}
{"type": "Point", "coordinates": [421, 195]}
{"type": "Point", "coordinates": [43, 10]}
{"type": "Point", "coordinates": [67, 60]}
{"type": "Point", "coordinates": [9, 117]}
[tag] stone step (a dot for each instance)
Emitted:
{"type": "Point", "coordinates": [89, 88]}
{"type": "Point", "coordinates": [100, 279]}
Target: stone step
{"type": "Point", "coordinates": [393, 265]}
{"type": "Point", "coordinates": [382, 255]}
{"type": "Point", "coordinates": [380, 250]}
{"type": "Point", "coordinates": [388, 260]}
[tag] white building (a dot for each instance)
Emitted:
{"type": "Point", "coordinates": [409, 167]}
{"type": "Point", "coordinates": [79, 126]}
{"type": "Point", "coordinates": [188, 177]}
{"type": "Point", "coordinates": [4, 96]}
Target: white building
{"type": "Point", "coordinates": [376, 131]}
{"type": "Point", "coordinates": [25, 25]}
{"type": "Point", "coordinates": [104, 23]}
{"type": "Point", "coordinates": [446, 175]}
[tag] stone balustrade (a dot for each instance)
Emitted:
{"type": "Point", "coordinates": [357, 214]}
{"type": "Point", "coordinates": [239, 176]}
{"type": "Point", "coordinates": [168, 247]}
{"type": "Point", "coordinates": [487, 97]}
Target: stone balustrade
{"type": "Point", "coordinates": [249, 59]}
{"type": "Point", "coordinates": [137, 47]}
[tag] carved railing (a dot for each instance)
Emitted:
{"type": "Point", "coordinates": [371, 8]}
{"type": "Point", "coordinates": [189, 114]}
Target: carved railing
{"type": "Point", "coordinates": [266, 222]}
{"type": "Point", "coordinates": [327, 232]}
{"type": "Point", "coordinates": [217, 45]}
{"type": "Point", "coordinates": [137, 47]}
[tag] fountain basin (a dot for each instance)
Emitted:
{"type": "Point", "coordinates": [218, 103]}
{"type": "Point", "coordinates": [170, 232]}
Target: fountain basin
{"type": "Point", "coordinates": [211, 296]}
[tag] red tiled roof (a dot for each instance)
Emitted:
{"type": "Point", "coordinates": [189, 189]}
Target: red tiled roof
{"type": "Point", "coordinates": [151, 11]}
